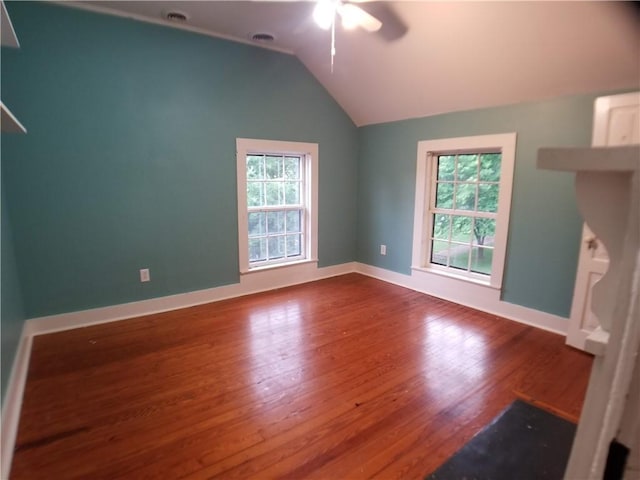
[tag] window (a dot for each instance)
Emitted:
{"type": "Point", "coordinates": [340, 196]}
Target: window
{"type": "Point", "coordinates": [277, 196]}
{"type": "Point", "coordinates": [463, 196]}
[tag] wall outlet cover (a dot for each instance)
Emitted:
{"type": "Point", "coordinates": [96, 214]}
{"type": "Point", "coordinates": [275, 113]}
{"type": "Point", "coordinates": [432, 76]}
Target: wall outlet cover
{"type": "Point", "coordinates": [144, 275]}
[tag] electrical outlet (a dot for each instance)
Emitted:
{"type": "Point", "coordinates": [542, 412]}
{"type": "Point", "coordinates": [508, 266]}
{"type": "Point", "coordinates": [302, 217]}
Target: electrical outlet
{"type": "Point", "coordinates": [144, 275]}
{"type": "Point", "coordinates": [383, 249]}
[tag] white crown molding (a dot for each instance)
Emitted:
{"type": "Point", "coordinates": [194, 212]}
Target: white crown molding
{"type": "Point", "coordinates": [165, 23]}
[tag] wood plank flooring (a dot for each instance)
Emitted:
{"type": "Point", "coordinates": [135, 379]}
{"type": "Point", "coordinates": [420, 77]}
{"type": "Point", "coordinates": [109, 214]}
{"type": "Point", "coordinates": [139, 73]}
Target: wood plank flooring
{"type": "Point", "coordinates": [343, 378]}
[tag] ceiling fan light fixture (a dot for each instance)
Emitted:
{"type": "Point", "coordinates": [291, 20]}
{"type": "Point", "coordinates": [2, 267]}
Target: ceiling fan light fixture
{"type": "Point", "coordinates": [351, 15]}
{"type": "Point", "coordinates": [324, 13]}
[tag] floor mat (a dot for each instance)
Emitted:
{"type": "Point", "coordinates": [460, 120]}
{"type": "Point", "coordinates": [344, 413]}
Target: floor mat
{"type": "Point", "coordinates": [523, 443]}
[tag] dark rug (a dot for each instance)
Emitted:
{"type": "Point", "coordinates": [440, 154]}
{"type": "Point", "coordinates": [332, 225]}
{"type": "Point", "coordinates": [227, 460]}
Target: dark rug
{"type": "Point", "coordinates": [522, 443]}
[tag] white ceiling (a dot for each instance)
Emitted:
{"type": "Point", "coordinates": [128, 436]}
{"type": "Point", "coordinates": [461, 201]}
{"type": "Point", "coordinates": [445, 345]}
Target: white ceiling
{"type": "Point", "coordinates": [454, 56]}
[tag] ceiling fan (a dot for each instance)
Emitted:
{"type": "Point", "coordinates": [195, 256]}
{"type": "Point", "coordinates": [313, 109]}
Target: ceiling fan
{"type": "Point", "coordinates": [326, 12]}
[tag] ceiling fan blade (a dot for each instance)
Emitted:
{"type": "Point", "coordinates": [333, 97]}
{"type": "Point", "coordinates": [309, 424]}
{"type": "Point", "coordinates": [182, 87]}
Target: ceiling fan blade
{"type": "Point", "coordinates": [393, 26]}
{"type": "Point", "coordinates": [353, 16]}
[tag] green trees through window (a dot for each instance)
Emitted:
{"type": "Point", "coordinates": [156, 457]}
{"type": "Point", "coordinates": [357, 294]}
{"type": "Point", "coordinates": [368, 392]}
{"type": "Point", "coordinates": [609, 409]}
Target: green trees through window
{"type": "Point", "coordinates": [275, 207]}
{"type": "Point", "coordinates": [464, 210]}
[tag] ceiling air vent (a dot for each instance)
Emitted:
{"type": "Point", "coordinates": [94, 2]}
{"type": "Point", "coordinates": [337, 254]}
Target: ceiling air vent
{"type": "Point", "coordinates": [262, 37]}
{"type": "Point", "coordinates": [177, 17]}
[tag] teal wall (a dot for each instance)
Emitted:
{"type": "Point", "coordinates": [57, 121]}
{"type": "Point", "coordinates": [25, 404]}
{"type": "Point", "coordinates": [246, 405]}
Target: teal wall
{"type": "Point", "coordinates": [544, 230]}
{"type": "Point", "coordinates": [11, 310]}
{"type": "Point", "coordinates": [129, 160]}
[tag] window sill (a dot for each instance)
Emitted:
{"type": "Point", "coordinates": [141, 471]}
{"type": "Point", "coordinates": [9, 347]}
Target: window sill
{"type": "Point", "coordinates": [464, 278]}
{"type": "Point", "coordinates": [276, 266]}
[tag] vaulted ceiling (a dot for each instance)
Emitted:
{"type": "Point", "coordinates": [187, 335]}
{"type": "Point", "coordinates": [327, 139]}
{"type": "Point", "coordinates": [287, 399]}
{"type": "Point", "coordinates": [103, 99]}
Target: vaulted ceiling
{"type": "Point", "coordinates": [454, 55]}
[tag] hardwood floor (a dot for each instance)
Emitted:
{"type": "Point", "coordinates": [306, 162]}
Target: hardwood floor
{"type": "Point", "coordinates": [348, 377]}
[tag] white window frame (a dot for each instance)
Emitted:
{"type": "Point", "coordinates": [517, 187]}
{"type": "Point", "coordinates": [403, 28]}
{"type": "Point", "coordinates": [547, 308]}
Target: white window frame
{"type": "Point", "coordinates": [428, 151]}
{"type": "Point", "coordinates": [309, 155]}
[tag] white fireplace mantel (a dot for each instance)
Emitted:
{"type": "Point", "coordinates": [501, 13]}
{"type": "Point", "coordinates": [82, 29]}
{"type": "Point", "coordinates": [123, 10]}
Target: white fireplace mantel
{"type": "Point", "coordinates": [608, 196]}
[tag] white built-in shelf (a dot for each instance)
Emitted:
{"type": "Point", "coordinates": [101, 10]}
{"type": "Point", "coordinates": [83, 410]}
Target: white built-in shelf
{"type": "Point", "coordinates": [9, 38]}
{"type": "Point", "coordinates": [9, 123]}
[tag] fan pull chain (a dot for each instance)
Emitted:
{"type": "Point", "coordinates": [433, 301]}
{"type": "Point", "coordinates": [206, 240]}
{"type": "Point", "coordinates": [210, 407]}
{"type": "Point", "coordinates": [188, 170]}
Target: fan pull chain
{"type": "Point", "coordinates": [333, 40]}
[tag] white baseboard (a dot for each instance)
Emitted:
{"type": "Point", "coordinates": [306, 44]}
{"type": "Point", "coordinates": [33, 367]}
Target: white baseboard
{"type": "Point", "coordinates": [249, 283]}
{"type": "Point", "coordinates": [479, 297]}
{"type": "Point", "coordinates": [13, 402]}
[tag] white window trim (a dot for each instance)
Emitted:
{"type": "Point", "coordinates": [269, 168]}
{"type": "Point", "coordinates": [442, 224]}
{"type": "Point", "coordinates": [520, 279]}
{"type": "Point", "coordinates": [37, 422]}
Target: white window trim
{"type": "Point", "coordinates": [309, 151]}
{"type": "Point", "coordinates": [427, 149]}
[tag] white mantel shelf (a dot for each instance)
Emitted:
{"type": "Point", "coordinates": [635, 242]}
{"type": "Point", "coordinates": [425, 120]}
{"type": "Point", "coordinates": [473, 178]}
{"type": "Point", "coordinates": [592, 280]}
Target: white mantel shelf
{"type": "Point", "coordinates": [9, 38]}
{"type": "Point", "coordinates": [597, 159]}
{"type": "Point", "coordinates": [608, 196]}
{"type": "Point", "coordinates": [10, 124]}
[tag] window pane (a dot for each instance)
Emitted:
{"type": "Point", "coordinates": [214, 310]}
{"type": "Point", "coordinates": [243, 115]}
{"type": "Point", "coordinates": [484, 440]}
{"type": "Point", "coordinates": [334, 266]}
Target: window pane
{"type": "Point", "coordinates": [446, 166]}
{"type": "Point", "coordinates": [292, 193]}
{"type": "Point", "coordinates": [255, 195]}
{"type": "Point", "coordinates": [490, 167]}
{"type": "Point", "coordinates": [481, 259]}
{"type": "Point", "coordinates": [294, 220]}
{"type": "Point", "coordinates": [293, 245]}
{"type": "Point", "coordinates": [484, 230]}
{"type": "Point", "coordinates": [465, 196]}
{"type": "Point", "coordinates": [292, 168]}
{"type": "Point", "coordinates": [439, 252]}
{"type": "Point", "coordinates": [279, 184]}
{"type": "Point", "coordinates": [488, 197]}
{"type": "Point", "coordinates": [461, 229]}
{"type": "Point", "coordinates": [275, 222]}
{"type": "Point", "coordinates": [257, 249]}
{"type": "Point", "coordinates": [273, 167]}
{"type": "Point", "coordinates": [459, 256]}
{"type": "Point", "coordinates": [257, 223]}
{"type": "Point", "coordinates": [276, 247]}
{"type": "Point", "coordinates": [254, 167]}
{"type": "Point", "coordinates": [467, 168]}
{"type": "Point", "coordinates": [273, 191]}
{"type": "Point", "coordinates": [441, 225]}
{"type": "Point", "coordinates": [444, 195]}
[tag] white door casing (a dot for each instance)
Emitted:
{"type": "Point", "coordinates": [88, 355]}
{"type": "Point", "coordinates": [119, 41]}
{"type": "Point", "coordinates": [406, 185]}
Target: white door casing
{"type": "Point", "coordinates": [616, 122]}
